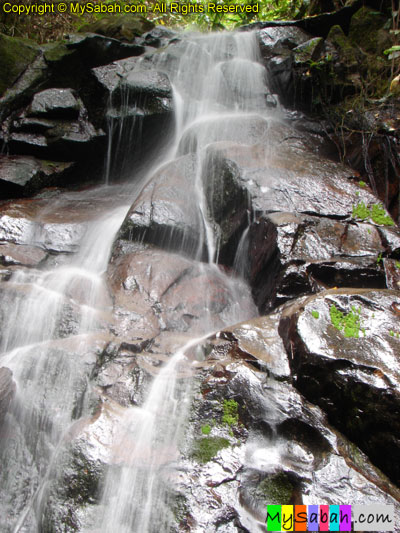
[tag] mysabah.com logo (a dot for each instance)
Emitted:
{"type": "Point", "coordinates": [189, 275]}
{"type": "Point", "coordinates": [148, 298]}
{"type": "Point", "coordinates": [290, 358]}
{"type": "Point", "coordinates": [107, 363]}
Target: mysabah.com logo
{"type": "Point", "coordinates": [374, 517]}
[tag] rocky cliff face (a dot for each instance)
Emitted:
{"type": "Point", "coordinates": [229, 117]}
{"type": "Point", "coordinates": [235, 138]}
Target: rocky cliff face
{"type": "Point", "coordinates": [298, 405]}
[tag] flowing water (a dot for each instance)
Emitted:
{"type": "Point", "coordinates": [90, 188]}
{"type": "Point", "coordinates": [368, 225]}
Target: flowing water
{"type": "Point", "coordinates": [53, 316]}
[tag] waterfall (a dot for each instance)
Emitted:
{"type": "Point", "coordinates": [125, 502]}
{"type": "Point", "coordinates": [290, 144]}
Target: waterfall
{"type": "Point", "coordinates": [53, 315]}
{"type": "Point", "coordinates": [217, 81]}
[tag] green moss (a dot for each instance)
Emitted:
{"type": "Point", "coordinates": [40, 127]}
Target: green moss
{"type": "Point", "coordinates": [379, 216]}
{"type": "Point", "coordinates": [376, 213]}
{"type": "Point", "coordinates": [360, 211]}
{"type": "Point", "coordinates": [56, 51]}
{"type": "Point", "coordinates": [350, 324]}
{"type": "Point", "coordinates": [276, 489]}
{"type": "Point", "coordinates": [206, 448]}
{"type": "Point", "coordinates": [206, 429]}
{"type": "Point", "coordinates": [397, 264]}
{"type": "Point", "coordinates": [230, 415]}
{"type": "Point", "coordinates": [315, 314]}
{"type": "Point", "coordinates": [362, 183]}
{"type": "Point", "coordinates": [15, 56]}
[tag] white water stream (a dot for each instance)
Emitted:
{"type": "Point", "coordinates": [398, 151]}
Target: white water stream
{"type": "Point", "coordinates": [53, 314]}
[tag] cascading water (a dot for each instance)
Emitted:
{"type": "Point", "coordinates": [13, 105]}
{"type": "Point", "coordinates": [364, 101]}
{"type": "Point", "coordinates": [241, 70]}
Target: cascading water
{"type": "Point", "coordinates": [218, 80]}
{"type": "Point", "coordinates": [53, 315]}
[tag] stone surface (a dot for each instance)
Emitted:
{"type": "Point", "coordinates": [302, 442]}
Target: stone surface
{"type": "Point", "coordinates": [54, 103]}
{"type": "Point", "coordinates": [355, 379]}
{"type": "Point", "coordinates": [167, 211]}
{"type": "Point", "coordinates": [23, 175]}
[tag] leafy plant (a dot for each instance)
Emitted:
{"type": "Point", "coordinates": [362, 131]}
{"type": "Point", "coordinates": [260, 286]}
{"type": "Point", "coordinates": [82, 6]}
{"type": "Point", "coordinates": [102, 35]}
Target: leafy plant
{"type": "Point", "coordinates": [349, 324]}
{"type": "Point", "coordinates": [379, 259]}
{"type": "Point", "coordinates": [315, 314]}
{"type": "Point", "coordinates": [362, 183]}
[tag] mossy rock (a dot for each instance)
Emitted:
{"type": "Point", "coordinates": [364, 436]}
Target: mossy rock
{"type": "Point", "coordinates": [55, 52]}
{"type": "Point", "coordinates": [364, 28]}
{"type": "Point", "coordinates": [276, 489]}
{"type": "Point", "coordinates": [15, 56]}
{"type": "Point", "coordinates": [309, 51]}
{"type": "Point", "coordinates": [346, 50]}
{"type": "Point", "coordinates": [124, 28]}
{"type": "Point", "coordinates": [206, 448]}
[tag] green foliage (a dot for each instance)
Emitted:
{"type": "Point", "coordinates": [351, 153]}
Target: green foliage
{"type": "Point", "coordinates": [393, 52]}
{"type": "Point", "coordinates": [315, 314]}
{"type": "Point", "coordinates": [206, 448]}
{"type": "Point", "coordinates": [349, 324]}
{"type": "Point", "coordinates": [360, 211]}
{"type": "Point", "coordinates": [206, 429]}
{"type": "Point", "coordinates": [362, 183]}
{"type": "Point", "coordinates": [379, 216]}
{"type": "Point", "coordinates": [379, 259]}
{"type": "Point", "coordinates": [397, 264]}
{"type": "Point", "coordinates": [376, 213]}
{"type": "Point", "coordinates": [394, 334]}
{"type": "Point", "coordinates": [230, 415]}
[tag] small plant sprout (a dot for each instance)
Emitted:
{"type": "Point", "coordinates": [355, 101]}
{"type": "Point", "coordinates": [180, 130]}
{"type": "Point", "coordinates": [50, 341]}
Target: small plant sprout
{"type": "Point", "coordinates": [230, 415]}
{"type": "Point", "coordinates": [206, 429]}
{"type": "Point", "coordinates": [348, 324]}
{"type": "Point", "coordinates": [397, 264]}
{"type": "Point", "coordinates": [376, 213]}
{"type": "Point", "coordinates": [362, 183]}
{"type": "Point", "coordinates": [315, 314]}
{"type": "Point", "coordinates": [379, 259]}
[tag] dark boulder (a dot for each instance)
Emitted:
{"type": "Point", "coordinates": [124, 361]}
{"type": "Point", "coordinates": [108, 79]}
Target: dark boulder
{"type": "Point", "coordinates": [55, 126]}
{"type": "Point", "coordinates": [166, 212]}
{"type": "Point", "coordinates": [344, 347]}
{"type": "Point", "coordinates": [24, 175]}
{"type": "Point", "coordinates": [54, 103]}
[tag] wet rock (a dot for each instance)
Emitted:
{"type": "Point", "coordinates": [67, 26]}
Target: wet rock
{"type": "Point", "coordinates": [11, 254]}
{"type": "Point", "coordinates": [69, 138]}
{"type": "Point", "coordinates": [141, 112]}
{"type": "Point", "coordinates": [303, 461]}
{"type": "Point", "coordinates": [167, 212]}
{"type": "Point", "coordinates": [7, 391]}
{"type": "Point", "coordinates": [158, 37]}
{"type": "Point", "coordinates": [241, 130]}
{"type": "Point", "coordinates": [291, 255]}
{"type": "Point", "coordinates": [277, 40]}
{"type": "Point", "coordinates": [78, 470]}
{"type": "Point", "coordinates": [344, 347]}
{"type": "Point", "coordinates": [54, 103]}
{"type": "Point", "coordinates": [23, 175]}
{"type": "Point", "coordinates": [147, 284]}
{"type": "Point", "coordinates": [295, 180]}
{"type": "Point", "coordinates": [54, 220]}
